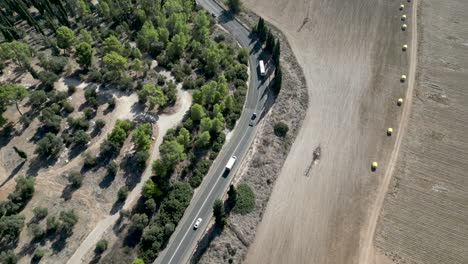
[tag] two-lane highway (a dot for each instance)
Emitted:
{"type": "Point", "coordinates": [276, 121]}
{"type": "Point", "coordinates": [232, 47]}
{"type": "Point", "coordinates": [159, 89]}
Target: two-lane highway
{"type": "Point", "coordinates": [185, 237]}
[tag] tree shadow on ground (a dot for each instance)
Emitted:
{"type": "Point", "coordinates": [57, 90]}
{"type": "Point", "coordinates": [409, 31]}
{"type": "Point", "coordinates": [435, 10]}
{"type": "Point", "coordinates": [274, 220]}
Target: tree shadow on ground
{"type": "Point", "coordinates": [107, 180]}
{"type": "Point", "coordinates": [7, 134]}
{"type": "Point", "coordinates": [13, 173]}
{"type": "Point", "coordinates": [205, 242]}
{"type": "Point", "coordinates": [117, 206]}
{"type": "Point", "coordinates": [68, 191]}
{"type": "Point", "coordinates": [39, 162]}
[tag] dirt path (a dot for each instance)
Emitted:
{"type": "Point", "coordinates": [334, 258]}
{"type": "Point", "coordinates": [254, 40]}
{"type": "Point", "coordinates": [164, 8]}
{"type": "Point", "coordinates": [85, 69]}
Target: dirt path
{"type": "Point", "coordinates": [366, 252]}
{"type": "Point", "coordinates": [164, 123]}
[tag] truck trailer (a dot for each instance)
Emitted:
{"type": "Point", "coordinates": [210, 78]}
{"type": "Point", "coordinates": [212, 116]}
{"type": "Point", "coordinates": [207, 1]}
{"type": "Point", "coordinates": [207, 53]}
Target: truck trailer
{"type": "Point", "coordinates": [231, 163]}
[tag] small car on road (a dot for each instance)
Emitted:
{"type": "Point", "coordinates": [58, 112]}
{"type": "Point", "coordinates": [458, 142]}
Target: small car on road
{"type": "Point", "coordinates": [252, 119]}
{"type": "Point", "coordinates": [197, 223]}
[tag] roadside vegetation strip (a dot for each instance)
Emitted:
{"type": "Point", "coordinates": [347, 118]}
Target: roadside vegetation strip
{"type": "Point", "coordinates": [264, 158]}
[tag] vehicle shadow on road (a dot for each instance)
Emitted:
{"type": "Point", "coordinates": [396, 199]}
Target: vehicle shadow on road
{"type": "Point", "coordinates": [205, 242]}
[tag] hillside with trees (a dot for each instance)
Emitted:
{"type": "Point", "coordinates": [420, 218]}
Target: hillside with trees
{"type": "Point", "coordinates": [81, 89]}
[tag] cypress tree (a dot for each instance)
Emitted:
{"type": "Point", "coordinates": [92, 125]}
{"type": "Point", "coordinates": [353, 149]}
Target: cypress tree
{"type": "Point", "coordinates": [276, 52]}
{"type": "Point", "coordinates": [270, 42]}
{"type": "Point", "coordinates": [278, 80]}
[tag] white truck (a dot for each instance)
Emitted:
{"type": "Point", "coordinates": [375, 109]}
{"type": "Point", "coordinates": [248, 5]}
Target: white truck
{"type": "Point", "coordinates": [231, 163]}
{"type": "Point", "coordinates": [261, 65]}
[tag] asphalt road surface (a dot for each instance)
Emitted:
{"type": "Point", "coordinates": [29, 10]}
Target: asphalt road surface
{"type": "Point", "coordinates": [185, 237]}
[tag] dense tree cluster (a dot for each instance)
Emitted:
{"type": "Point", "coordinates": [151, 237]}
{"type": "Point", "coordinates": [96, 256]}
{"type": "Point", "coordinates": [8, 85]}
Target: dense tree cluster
{"type": "Point", "coordinates": [11, 224]}
{"type": "Point", "coordinates": [116, 138]}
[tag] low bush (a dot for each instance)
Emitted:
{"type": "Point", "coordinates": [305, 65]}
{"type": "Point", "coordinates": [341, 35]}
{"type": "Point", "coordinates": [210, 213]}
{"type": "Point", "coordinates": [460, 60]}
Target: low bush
{"type": "Point", "coordinates": [245, 202]}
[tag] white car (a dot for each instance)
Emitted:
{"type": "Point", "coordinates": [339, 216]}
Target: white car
{"type": "Point", "coordinates": [197, 223]}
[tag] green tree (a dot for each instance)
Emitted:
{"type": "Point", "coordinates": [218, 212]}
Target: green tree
{"type": "Point", "coordinates": [232, 195]}
{"type": "Point", "coordinates": [112, 44]}
{"type": "Point", "coordinates": [184, 137]}
{"type": "Point", "coordinates": [65, 37]}
{"type": "Point", "coordinates": [151, 190]}
{"type": "Point", "coordinates": [68, 219]}
{"type": "Point", "coordinates": [103, 10]}
{"type": "Point", "coordinates": [40, 213]}
{"type": "Point", "coordinates": [205, 124]}
{"type": "Point", "coordinates": [115, 62]}
{"type": "Point", "coordinates": [81, 138]}
{"type": "Point", "coordinates": [204, 139]}
{"type": "Point", "coordinates": [49, 146]}
{"type": "Point", "coordinates": [138, 261]}
{"type": "Point", "coordinates": [177, 46]}
{"type": "Point", "coordinates": [10, 227]}
{"type": "Point", "coordinates": [85, 37]}
{"type": "Point", "coordinates": [122, 193]}
{"type": "Point", "coordinates": [213, 60]}
{"type": "Point", "coordinates": [17, 51]}
{"type": "Point", "coordinates": [261, 30]}
{"type": "Point", "coordinates": [8, 257]}
{"type": "Point", "coordinates": [153, 94]}
{"type": "Point", "coordinates": [147, 37]}
{"type": "Point", "coordinates": [276, 53]}
{"type": "Point", "coordinates": [39, 254]}
{"type": "Point", "coordinates": [142, 136]}
{"type": "Point", "coordinates": [278, 80]}
{"type": "Point", "coordinates": [218, 213]}
{"type": "Point", "coordinates": [75, 178]}
{"type": "Point", "coordinates": [101, 246]}
{"type": "Point", "coordinates": [243, 56]}
{"type": "Point", "coordinates": [201, 27]}
{"type": "Point", "coordinates": [84, 53]}
{"type": "Point", "coordinates": [171, 152]}
{"type": "Point", "coordinates": [139, 221]}
{"type": "Point", "coordinates": [270, 41]}
{"type": "Point", "coordinates": [197, 112]}
{"type": "Point", "coordinates": [37, 98]}
{"type": "Point", "coordinates": [11, 94]}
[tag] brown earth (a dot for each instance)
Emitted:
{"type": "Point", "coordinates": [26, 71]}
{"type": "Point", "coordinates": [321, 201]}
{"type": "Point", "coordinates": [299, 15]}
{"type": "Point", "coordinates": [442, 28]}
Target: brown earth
{"type": "Point", "coordinates": [352, 59]}
{"type": "Point", "coordinates": [424, 217]}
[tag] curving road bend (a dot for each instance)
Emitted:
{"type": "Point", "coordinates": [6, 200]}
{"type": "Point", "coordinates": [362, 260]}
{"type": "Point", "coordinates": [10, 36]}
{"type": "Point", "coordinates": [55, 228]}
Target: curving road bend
{"type": "Point", "coordinates": [184, 240]}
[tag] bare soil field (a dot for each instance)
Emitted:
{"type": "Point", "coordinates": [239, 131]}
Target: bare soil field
{"type": "Point", "coordinates": [352, 59]}
{"type": "Point", "coordinates": [424, 217]}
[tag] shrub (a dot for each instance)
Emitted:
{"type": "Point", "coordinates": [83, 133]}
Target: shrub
{"type": "Point", "coordinates": [111, 103]}
{"type": "Point", "coordinates": [81, 138]}
{"type": "Point", "coordinates": [281, 129]}
{"type": "Point", "coordinates": [40, 213]}
{"type": "Point", "coordinates": [112, 168]}
{"type": "Point", "coordinates": [122, 193]}
{"type": "Point", "coordinates": [48, 79]}
{"type": "Point", "coordinates": [49, 146]}
{"type": "Point", "coordinates": [245, 202]}
{"type": "Point", "coordinates": [39, 254]}
{"type": "Point", "coordinates": [71, 89]}
{"type": "Point", "coordinates": [89, 160]}
{"type": "Point", "coordinates": [101, 246]}
{"type": "Point", "coordinates": [36, 231]}
{"type": "Point", "coordinates": [99, 125]}
{"type": "Point", "coordinates": [75, 178]}
{"type": "Point", "coordinates": [88, 112]}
